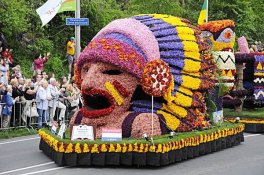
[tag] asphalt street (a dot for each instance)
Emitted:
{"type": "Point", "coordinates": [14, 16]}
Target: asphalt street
{"type": "Point", "coordinates": [21, 156]}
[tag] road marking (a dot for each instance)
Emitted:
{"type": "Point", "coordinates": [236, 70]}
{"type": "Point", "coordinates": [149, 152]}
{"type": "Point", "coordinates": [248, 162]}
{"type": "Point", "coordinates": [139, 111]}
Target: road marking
{"type": "Point", "coordinates": [29, 167]}
{"type": "Point", "coordinates": [36, 172]}
{"type": "Point", "coordinates": [19, 140]}
{"type": "Point", "coordinates": [252, 135]}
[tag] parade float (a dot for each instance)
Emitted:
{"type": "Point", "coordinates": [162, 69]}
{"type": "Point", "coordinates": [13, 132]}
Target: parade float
{"type": "Point", "coordinates": [145, 83]}
{"type": "Point", "coordinates": [249, 90]}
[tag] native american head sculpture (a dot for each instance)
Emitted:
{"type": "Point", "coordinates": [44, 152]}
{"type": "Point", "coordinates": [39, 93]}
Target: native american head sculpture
{"type": "Point", "coordinates": [135, 58]}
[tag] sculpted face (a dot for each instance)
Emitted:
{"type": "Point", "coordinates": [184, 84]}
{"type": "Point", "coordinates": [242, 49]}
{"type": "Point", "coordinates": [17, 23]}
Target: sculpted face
{"type": "Point", "coordinates": [106, 91]}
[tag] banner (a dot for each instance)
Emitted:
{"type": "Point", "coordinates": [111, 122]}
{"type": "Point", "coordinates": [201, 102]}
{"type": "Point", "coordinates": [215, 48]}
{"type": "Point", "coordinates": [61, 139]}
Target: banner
{"type": "Point", "coordinates": [204, 13]}
{"type": "Point", "coordinates": [48, 10]}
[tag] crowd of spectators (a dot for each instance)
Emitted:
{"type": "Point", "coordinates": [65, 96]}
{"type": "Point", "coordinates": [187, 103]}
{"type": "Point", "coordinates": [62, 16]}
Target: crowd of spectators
{"type": "Point", "coordinates": [40, 99]}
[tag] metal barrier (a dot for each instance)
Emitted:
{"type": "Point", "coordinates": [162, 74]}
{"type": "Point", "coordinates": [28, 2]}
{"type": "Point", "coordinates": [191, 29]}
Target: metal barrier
{"type": "Point", "coordinates": [24, 114]}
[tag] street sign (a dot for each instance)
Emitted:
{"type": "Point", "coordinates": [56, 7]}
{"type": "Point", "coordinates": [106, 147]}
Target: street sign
{"type": "Point", "coordinates": [77, 21]}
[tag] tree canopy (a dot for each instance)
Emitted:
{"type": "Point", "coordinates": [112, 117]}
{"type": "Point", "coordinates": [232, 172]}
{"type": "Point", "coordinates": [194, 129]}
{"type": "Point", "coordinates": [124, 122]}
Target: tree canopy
{"type": "Point", "coordinates": [21, 25]}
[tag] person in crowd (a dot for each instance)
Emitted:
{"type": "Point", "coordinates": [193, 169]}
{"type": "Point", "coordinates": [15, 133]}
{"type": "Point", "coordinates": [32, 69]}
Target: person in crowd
{"type": "Point", "coordinates": [8, 101]}
{"type": "Point", "coordinates": [37, 80]}
{"type": "Point", "coordinates": [39, 62]}
{"type": "Point", "coordinates": [21, 83]}
{"type": "Point", "coordinates": [4, 67]}
{"type": "Point", "coordinates": [64, 82]}
{"type": "Point", "coordinates": [29, 90]}
{"type": "Point", "coordinates": [7, 54]}
{"type": "Point", "coordinates": [78, 92]}
{"type": "Point", "coordinates": [54, 102]}
{"type": "Point", "coordinates": [30, 109]}
{"type": "Point", "coordinates": [70, 54]}
{"type": "Point", "coordinates": [17, 73]}
{"type": "Point", "coordinates": [71, 99]}
{"type": "Point", "coordinates": [44, 76]}
{"type": "Point", "coordinates": [42, 100]}
{"type": "Point", "coordinates": [17, 108]}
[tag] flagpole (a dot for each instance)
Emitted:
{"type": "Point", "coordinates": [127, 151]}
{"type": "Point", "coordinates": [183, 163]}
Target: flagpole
{"type": "Point", "coordinates": [207, 10]}
{"type": "Point", "coordinates": [78, 30]}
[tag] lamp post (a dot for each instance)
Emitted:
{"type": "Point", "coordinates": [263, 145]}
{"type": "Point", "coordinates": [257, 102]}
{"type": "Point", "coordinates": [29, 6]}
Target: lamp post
{"type": "Point", "coordinates": [78, 30]}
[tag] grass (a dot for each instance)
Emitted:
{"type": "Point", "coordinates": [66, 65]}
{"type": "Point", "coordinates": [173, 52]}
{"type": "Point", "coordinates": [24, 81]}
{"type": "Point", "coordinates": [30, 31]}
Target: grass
{"type": "Point", "coordinates": [246, 113]}
{"type": "Point", "coordinates": [159, 139]}
{"type": "Point", "coordinates": [10, 133]}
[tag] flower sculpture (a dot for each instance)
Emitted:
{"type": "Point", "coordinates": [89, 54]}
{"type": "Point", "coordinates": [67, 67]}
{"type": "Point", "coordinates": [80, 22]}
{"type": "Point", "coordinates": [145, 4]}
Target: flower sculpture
{"type": "Point", "coordinates": [259, 79]}
{"type": "Point", "coordinates": [222, 36]}
{"type": "Point", "coordinates": [135, 58]}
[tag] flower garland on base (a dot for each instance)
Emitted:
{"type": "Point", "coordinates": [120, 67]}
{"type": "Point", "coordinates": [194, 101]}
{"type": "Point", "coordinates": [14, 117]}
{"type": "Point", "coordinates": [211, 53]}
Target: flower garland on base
{"type": "Point", "coordinates": [138, 146]}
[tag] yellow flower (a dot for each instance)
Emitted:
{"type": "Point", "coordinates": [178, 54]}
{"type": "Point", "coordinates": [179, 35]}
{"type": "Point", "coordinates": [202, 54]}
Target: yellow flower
{"type": "Point", "coordinates": [103, 148]}
{"type": "Point", "coordinates": [190, 46]}
{"type": "Point", "coordinates": [159, 150]}
{"type": "Point", "coordinates": [193, 54]}
{"type": "Point", "coordinates": [191, 82]}
{"type": "Point", "coordinates": [78, 148]}
{"type": "Point", "coordinates": [119, 100]}
{"type": "Point", "coordinates": [130, 148]}
{"type": "Point", "coordinates": [124, 148]}
{"type": "Point", "coordinates": [86, 148]}
{"type": "Point", "coordinates": [69, 148]}
{"type": "Point", "coordinates": [165, 148]}
{"type": "Point", "coordinates": [185, 31]}
{"type": "Point", "coordinates": [112, 148]}
{"type": "Point", "coordinates": [152, 148]}
{"type": "Point", "coordinates": [146, 148]}
{"type": "Point", "coordinates": [141, 148]}
{"type": "Point", "coordinates": [201, 139]}
{"type": "Point", "coordinates": [175, 21]}
{"type": "Point", "coordinates": [182, 100]}
{"type": "Point", "coordinates": [118, 148]}
{"type": "Point", "coordinates": [135, 147]}
{"type": "Point", "coordinates": [95, 149]}
{"type": "Point", "coordinates": [55, 145]}
{"type": "Point", "coordinates": [171, 121]}
{"type": "Point", "coordinates": [175, 109]}
{"type": "Point", "coordinates": [61, 148]}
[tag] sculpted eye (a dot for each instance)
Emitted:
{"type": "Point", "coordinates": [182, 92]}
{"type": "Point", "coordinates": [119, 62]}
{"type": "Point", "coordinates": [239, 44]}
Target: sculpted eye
{"type": "Point", "coordinates": [226, 35]}
{"type": "Point", "coordinates": [85, 69]}
{"type": "Point", "coordinates": [112, 72]}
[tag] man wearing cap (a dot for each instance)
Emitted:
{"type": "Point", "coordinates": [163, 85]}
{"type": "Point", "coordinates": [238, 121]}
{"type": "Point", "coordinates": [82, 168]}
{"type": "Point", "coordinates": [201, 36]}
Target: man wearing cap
{"type": "Point", "coordinates": [70, 53]}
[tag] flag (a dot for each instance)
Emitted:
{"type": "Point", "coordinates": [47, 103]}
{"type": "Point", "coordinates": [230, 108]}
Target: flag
{"type": "Point", "coordinates": [48, 10]}
{"type": "Point", "coordinates": [204, 13]}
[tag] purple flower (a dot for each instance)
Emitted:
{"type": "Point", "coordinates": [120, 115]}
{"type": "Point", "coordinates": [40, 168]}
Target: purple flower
{"type": "Point", "coordinates": [178, 79]}
{"type": "Point", "coordinates": [165, 32]}
{"type": "Point", "coordinates": [152, 21]}
{"type": "Point", "coordinates": [171, 45]}
{"type": "Point", "coordinates": [177, 54]}
{"type": "Point", "coordinates": [259, 58]}
{"type": "Point", "coordinates": [163, 26]}
{"type": "Point", "coordinates": [144, 17]}
{"type": "Point", "coordinates": [176, 63]}
{"type": "Point", "coordinates": [169, 39]}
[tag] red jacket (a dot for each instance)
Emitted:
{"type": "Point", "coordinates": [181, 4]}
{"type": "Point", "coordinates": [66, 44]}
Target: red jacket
{"type": "Point", "coordinates": [7, 54]}
{"type": "Point", "coordinates": [39, 63]}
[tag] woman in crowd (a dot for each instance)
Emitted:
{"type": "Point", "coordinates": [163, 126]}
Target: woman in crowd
{"type": "Point", "coordinates": [17, 92]}
{"type": "Point", "coordinates": [7, 107]}
{"type": "Point", "coordinates": [42, 100]}
{"type": "Point", "coordinates": [40, 61]}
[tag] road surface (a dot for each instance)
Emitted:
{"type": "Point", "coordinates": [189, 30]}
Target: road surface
{"type": "Point", "coordinates": [21, 156]}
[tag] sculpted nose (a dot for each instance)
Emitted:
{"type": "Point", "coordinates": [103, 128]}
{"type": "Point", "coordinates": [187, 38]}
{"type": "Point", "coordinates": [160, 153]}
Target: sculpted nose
{"type": "Point", "coordinates": [89, 79]}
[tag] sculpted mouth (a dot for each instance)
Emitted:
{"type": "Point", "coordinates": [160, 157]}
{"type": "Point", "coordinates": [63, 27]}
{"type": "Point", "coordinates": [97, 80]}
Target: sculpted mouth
{"type": "Point", "coordinates": [97, 103]}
